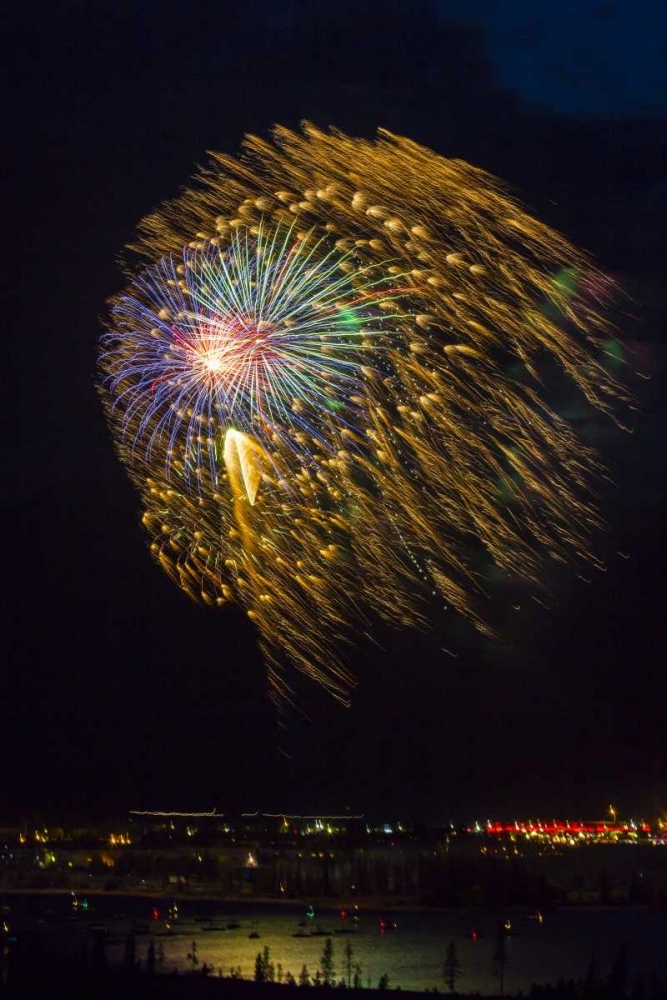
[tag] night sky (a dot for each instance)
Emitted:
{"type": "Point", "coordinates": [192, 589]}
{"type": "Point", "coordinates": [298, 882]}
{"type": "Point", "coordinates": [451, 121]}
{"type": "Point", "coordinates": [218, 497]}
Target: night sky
{"type": "Point", "coordinates": [115, 691]}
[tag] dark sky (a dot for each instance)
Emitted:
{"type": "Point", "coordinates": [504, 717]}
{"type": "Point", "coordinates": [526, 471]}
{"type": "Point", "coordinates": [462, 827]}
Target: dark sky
{"type": "Point", "coordinates": [577, 57]}
{"type": "Point", "coordinates": [115, 691]}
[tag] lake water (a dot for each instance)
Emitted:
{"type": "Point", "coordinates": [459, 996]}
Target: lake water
{"type": "Point", "coordinates": [411, 955]}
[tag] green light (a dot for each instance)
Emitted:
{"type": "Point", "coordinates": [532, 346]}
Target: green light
{"type": "Point", "coordinates": [349, 317]}
{"type": "Point", "coordinates": [614, 350]}
{"type": "Point", "coordinates": [506, 487]}
{"type": "Point", "coordinates": [566, 280]}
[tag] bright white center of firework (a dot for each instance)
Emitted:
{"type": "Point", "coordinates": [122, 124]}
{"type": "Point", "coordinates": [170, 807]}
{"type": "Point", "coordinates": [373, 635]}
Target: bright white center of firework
{"type": "Point", "coordinates": [212, 362]}
{"type": "Point", "coordinates": [233, 348]}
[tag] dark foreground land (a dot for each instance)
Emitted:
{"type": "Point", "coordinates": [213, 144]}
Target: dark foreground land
{"type": "Point", "coordinates": [169, 987]}
{"type": "Point", "coordinates": [42, 983]}
{"type": "Point", "coordinates": [31, 970]}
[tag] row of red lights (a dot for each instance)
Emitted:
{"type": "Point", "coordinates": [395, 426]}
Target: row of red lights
{"type": "Point", "coordinates": [558, 826]}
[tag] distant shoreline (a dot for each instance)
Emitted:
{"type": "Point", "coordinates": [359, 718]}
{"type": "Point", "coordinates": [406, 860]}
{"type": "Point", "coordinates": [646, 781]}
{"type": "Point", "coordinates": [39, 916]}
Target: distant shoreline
{"type": "Point", "coordinates": [365, 904]}
{"type": "Point", "coordinates": [333, 905]}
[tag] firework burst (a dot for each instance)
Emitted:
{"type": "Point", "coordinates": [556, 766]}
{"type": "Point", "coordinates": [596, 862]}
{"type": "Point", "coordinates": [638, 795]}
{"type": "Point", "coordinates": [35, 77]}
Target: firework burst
{"type": "Point", "coordinates": [324, 378]}
{"type": "Point", "coordinates": [261, 336]}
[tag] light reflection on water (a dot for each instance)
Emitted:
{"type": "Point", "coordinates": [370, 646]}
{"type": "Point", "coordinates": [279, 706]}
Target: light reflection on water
{"type": "Point", "coordinates": [412, 955]}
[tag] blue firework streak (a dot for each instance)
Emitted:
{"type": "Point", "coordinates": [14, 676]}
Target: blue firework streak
{"type": "Point", "coordinates": [261, 335]}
